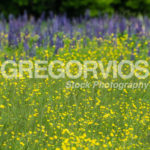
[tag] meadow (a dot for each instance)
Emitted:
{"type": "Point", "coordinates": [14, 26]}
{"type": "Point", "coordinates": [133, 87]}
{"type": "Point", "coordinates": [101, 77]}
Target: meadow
{"type": "Point", "coordinates": [43, 114]}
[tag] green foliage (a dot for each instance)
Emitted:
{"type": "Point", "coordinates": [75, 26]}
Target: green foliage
{"type": "Point", "coordinates": [76, 7]}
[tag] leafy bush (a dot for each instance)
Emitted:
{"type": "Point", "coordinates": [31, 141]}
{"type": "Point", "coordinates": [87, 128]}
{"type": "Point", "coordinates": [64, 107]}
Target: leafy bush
{"type": "Point", "coordinates": [75, 7]}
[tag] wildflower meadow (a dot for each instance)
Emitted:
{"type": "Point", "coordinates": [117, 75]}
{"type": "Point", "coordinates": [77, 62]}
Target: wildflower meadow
{"type": "Point", "coordinates": [68, 109]}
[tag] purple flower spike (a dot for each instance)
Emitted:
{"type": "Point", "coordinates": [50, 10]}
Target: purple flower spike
{"type": "Point", "coordinates": [57, 45]}
{"type": "Point", "coordinates": [26, 46]}
{"type": "Point", "coordinates": [149, 53]}
{"type": "Point", "coordinates": [122, 25]}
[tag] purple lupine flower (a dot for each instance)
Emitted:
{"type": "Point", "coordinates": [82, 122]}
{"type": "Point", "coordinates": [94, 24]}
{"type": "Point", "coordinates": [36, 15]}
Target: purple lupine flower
{"type": "Point", "coordinates": [147, 24]}
{"type": "Point", "coordinates": [149, 53]}
{"type": "Point", "coordinates": [80, 19]}
{"type": "Point", "coordinates": [58, 45]}
{"type": "Point", "coordinates": [129, 31]}
{"type": "Point", "coordinates": [56, 49]}
{"type": "Point", "coordinates": [51, 39]}
{"type": "Point", "coordinates": [112, 26]}
{"type": "Point", "coordinates": [10, 38]}
{"type": "Point", "coordinates": [11, 31]}
{"type": "Point", "coordinates": [32, 53]}
{"type": "Point", "coordinates": [45, 39]}
{"type": "Point", "coordinates": [67, 27]}
{"type": "Point", "coordinates": [3, 22]}
{"type": "Point", "coordinates": [26, 32]}
{"type": "Point", "coordinates": [15, 41]}
{"type": "Point", "coordinates": [26, 46]}
{"type": "Point", "coordinates": [14, 31]}
{"type": "Point", "coordinates": [122, 25]}
{"type": "Point", "coordinates": [25, 17]}
{"type": "Point", "coordinates": [0, 42]}
{"type": "Point", "coordinates": [97, 32]}
{"type": "Point", "coordinates": [96, 27]}
{"type": "Point", "coordinates": [11, 17]}
{"type": "Point", "coordinates": [138, 27]}
{"type": "Point", "coordinates": [63, 20]}
{"type": "Point", "coordinates": [40, 40]}
{"type": "Point", "coordinates": [37, 28]}
{"type": "Point", "coordinates": [89, 31]}
{"type": "Point", "coordinates": [55, 26]}
{"type": "Point", "coordinates": [1, 27]}
{"type": "Point", "coordinates": [115, 30]}
{"type": "Point", "coordinates": [102, 28]}
{"type": "Point", "coordinates": [71, 32]}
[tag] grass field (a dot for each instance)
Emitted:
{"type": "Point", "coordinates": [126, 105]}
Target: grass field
{"type": "Point", "coordinates": [43, 114]}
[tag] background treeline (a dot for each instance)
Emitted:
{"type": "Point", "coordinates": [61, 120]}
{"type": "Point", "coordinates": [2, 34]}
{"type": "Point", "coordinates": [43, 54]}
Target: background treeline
{"type": "Point", "coordinates": [75, 7]}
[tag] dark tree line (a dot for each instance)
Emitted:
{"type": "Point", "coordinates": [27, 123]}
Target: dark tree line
{"type": "Point", "coordinates": [75, 7]}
